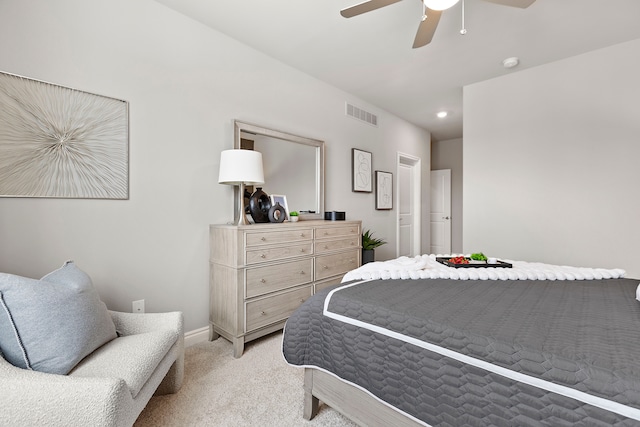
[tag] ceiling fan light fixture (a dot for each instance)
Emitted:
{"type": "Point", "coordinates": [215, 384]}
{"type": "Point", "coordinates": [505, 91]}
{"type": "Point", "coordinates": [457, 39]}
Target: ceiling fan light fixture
{"type": "Point", "coordinates": [440, 4]}
{"type": "Point", "coordinates": [442, 114]}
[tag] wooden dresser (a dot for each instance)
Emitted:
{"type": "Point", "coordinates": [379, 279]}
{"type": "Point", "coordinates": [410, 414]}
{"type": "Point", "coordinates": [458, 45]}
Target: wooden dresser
{"type": "Point", "coordinates": [261, 273]}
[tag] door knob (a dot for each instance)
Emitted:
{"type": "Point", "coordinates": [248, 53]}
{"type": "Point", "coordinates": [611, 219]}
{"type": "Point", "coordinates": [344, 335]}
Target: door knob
{"type": "Point", "coordinates": [445, 217]}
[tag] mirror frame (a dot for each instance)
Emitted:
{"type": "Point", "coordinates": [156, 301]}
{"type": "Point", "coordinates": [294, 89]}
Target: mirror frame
{"type": "Point", "coordinates": [239, 127]}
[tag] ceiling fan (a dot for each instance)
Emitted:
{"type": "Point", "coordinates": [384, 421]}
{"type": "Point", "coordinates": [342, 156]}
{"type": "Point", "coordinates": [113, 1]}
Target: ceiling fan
{"type": "Point", "coordinates": [432, 9]}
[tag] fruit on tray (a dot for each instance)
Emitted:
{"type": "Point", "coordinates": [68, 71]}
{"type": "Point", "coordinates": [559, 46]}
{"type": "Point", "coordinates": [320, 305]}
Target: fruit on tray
{"type": "Point", "coordinates": [478, 257]}
{"type": "Point", "coordinates": [458, 260]}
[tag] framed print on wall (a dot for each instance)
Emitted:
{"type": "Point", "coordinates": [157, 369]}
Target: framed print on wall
{"type": "Point", "coordinates": [60, 142]}
{"type": "Point", "coordinates": [384, 190]}
{"type": "Point", "coordinates": [361, 171]}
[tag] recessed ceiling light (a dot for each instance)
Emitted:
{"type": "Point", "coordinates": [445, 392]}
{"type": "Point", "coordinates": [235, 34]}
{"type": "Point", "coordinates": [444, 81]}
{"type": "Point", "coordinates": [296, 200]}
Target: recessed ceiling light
{"type": "Point", "coordinates": [442, 114]}
{"type": "Point", "coordinates": [510, 62]}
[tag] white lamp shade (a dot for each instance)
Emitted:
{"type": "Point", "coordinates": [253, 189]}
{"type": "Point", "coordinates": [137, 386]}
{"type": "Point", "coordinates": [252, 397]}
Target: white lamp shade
{"type": "Point", "coordinates": [241, 167]}
{"type": "Point", "coordinates": [439, 4]}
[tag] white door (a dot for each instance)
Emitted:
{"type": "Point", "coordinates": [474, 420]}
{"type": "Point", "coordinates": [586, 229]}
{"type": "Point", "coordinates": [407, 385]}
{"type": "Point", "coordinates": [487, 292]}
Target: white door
{"type": "Point", "coordinates": [440, 220]}
{"type": "Point", "coordinates": [408, 190]}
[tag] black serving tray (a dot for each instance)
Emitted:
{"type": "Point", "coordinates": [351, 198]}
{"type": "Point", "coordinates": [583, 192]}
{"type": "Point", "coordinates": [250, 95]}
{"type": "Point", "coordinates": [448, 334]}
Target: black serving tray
{"type": "Point", "coordinates": [499, 264]}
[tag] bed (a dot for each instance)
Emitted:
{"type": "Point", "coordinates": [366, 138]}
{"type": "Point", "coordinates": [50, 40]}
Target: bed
{"type": "Point", "coordinates": [417, 343]}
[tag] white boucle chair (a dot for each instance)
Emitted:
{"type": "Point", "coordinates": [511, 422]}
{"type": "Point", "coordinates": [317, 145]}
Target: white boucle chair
{"type": "Point", "coordinates": [110, 387]}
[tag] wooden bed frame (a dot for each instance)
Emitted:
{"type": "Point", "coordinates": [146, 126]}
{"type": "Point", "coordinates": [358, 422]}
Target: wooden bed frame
{"type": "Point", "coordinates": [352, 402]}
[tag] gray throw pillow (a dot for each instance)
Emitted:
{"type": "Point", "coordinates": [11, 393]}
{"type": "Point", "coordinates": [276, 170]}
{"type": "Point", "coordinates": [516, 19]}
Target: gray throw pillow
{"type": "Point", "coordinates": [50, 325]}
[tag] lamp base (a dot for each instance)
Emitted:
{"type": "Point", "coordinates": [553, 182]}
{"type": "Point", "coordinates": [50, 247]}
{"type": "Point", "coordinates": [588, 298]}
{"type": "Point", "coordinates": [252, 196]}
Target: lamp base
{"type": "Point", "coordinates": [242, 217]}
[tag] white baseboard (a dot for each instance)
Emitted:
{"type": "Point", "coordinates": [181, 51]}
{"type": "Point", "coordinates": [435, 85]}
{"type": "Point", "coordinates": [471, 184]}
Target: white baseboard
{"type": "Point", "coordinates": [196, 336]}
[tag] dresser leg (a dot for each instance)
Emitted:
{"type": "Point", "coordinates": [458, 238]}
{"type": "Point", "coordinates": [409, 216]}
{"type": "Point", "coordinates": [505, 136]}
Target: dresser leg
{"type": "Point", "coordinates": [238, 347]}
{"type": "Point", "coordinates": [213, 335]}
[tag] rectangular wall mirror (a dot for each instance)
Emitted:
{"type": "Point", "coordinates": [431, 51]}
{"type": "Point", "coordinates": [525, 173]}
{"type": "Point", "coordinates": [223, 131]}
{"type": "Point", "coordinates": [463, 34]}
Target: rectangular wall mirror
{"type": "Point", "coordinates": [293, 166]}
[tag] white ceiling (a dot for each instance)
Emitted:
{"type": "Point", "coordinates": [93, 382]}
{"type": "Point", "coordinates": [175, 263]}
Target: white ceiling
{"type": "Point", "coordinates": [371, 57]}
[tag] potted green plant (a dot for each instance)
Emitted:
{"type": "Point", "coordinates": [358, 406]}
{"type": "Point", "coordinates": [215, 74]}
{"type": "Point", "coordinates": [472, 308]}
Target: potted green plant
{"type": "Point", "coordinates": [294, 216]}
{"type": "Point", "coordinates": [369, 243]}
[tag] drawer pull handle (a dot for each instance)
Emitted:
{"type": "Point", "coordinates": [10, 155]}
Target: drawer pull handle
{"type": "Point", "coordinates": [326, 233]}
{"type": "Point", "coordinates": [302, 272]}
{"type": "Point", "coordinates": [263, 256]}
{"type": "Point", "coordinates": [264, 239]}
{"type": "Point", "coordinates": [263, 281]}
{"type": "Point", "coordinates": [301, 299]}
{"type": "Point", "coordinates": [352, 243]}
{"type": "Point", "coordinates": [263, 313]}
{"type": "Point", "coordinates": [302, 250]}
{"type": "Point", "coordinates": [301, 234]}
{"type": "Point", "coordinates": [326, 247]}
{"type": "Point", "coordinates": [326, 267]}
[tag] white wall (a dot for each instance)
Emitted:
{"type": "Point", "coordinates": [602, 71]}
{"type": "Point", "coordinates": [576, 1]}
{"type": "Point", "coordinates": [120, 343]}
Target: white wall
{"type": "Point", "coordinates": [448, 155]}
{"type": "Point", "coordinates": [551, 167]}
{"type": "Point", "coordinates": [185, 84]}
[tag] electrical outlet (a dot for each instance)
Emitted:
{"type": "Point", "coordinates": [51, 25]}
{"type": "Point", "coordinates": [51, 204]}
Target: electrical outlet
{"type": "Point", "coordinates": [138, 306]}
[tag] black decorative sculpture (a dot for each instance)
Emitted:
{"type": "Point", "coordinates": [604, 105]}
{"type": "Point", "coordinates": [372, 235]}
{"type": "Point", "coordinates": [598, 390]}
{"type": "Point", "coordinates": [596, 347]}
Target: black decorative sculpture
{"type": "Point", "coordinates": [277, 213]}
{"type": "Point", "coordinates": [259, 205]}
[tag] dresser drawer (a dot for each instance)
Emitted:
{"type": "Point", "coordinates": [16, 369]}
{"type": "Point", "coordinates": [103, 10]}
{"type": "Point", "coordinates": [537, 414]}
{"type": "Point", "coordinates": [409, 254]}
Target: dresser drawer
{"type": "Point", "coordinates": [272, 237]}
{"type": "Point", "coordinates": [329, 232]}
{"type": "Point", "coordinates": [330, 265]}
{"type": "Point", "coordinates": [334, 245]}
{"type": "Point", "coordinates": [265, 311]}
{"type": "Point", "coordinates": [262, 280]}
{"type": "Point", "coordinates": [257, 256]}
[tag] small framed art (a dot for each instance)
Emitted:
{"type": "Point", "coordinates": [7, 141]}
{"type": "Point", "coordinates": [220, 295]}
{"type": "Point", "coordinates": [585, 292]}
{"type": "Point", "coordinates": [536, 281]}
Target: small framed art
{"type": "Point", "coordinates": [384, 190]}
{"type": "Point", "coordinates": [361, 171]}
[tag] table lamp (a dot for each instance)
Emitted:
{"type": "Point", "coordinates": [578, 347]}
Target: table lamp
{"type": "Point", "coordinates": [240, 167]}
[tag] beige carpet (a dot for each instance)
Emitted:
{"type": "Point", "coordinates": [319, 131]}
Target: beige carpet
{"type": "Point", "coordinates": [258, 389]}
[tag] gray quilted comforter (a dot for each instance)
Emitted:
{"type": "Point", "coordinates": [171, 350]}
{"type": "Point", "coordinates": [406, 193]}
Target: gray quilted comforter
{"type": "Point", "coordinates": [505, 353]}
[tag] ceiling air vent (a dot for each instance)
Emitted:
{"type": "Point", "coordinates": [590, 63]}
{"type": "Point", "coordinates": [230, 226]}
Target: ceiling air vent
{"type": "Point", "coordinates": [362, 115]}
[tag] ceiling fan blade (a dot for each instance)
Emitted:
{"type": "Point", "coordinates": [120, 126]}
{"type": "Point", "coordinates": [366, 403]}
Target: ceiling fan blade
{"type": "Point", "coordinates": [366, 6]}
{"type": "Point", "coordinates": [523, 4]}
{"type": "Point", "coordinates": [427, 28]}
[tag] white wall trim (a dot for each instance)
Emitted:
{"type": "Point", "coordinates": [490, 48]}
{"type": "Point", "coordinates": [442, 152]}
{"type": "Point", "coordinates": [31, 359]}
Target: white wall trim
{"type": "Point", "coordinates": [196, 336]}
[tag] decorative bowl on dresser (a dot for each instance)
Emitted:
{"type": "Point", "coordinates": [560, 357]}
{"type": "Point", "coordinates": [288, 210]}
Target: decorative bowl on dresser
{"type": "Point", "coordinates": [261, 273]}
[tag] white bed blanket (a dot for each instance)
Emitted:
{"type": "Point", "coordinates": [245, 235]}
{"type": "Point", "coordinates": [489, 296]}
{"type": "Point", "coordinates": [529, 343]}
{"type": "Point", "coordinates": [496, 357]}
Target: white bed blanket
{"type": "Point", "coordinates": [426, 267]}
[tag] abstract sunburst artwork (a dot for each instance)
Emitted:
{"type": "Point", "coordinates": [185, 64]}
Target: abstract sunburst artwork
{"type": "Point", "coordinates": [60, 142]}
